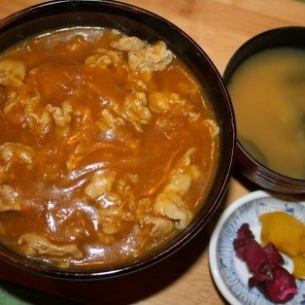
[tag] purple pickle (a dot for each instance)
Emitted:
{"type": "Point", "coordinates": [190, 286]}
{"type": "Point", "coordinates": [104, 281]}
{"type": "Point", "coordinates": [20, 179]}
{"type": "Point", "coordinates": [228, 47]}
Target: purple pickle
{"type": "Point", "coordinates": [274, 257]}
{"type": "Point", "coordinates": [282, 288]}
{"type": "Point", "coordinates": [265, 265]}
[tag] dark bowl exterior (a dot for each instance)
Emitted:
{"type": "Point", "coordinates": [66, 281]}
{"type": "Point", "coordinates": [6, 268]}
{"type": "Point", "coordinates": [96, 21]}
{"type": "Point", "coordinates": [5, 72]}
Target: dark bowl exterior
{"type": "Point", "coordinates": [245, 163]}
{"type": "Point", "coordinates": [131, 21]}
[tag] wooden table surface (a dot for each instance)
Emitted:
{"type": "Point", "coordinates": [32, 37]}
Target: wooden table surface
{"type": "Point", "coordinates": [220, 27]}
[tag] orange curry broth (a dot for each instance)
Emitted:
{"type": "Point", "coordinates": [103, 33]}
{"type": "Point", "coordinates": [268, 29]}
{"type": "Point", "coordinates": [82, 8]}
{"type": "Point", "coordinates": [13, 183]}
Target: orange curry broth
{"type": "Point", "coordinates": [51, 195]}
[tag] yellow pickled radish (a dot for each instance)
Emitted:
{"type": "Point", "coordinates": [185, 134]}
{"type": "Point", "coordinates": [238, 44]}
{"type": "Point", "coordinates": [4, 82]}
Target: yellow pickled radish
{"type": "Point", "coordinates": [302, 245]}
{"type": "Point", "coordinates": [284, 231]}
{"type": "Point", "coordinates": [299, 266]}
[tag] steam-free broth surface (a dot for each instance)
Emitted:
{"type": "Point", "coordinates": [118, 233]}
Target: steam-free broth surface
{"type": "Point", "coordinates": [268, 94]}
{"type": "Point", "coordinates": [108, 147]}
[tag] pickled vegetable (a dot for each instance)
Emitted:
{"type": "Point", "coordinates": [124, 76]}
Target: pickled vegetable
{"type": "Point", "coordinates": [288, 235]}
{"type": "Point", "coordinates": [265, 265]}
{"type": "Point", "coordinates": [299, 266]}
{"type": "Point", "coordinates": [284, 231]}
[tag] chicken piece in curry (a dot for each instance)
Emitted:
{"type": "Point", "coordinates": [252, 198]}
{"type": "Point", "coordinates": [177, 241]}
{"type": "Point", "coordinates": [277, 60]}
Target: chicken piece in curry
{"type": "Point", "coordinates": [108, 147]}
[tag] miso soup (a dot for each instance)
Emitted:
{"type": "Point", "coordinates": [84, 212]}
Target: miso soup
{"type": "Point", "coordinates": [268, 94]}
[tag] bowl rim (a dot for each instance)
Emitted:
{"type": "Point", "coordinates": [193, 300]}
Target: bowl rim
{"type": "Point", "coordinates": [268, 173]}
{"type": "Point", "coordinates": [181, 239]}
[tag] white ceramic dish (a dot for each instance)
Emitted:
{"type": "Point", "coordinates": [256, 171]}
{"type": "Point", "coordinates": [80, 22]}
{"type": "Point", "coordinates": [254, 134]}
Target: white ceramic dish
{"type": "Point", "coordinates": [229, 272]}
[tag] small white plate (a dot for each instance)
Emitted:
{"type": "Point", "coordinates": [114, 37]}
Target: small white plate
{"type": "Point", "coordinates": [229, 272]}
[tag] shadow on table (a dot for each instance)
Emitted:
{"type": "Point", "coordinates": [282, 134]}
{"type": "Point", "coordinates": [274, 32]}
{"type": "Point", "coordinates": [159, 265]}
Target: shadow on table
{"type": "Point", "coordinates": [121, 291]}
{"type": "Point", "coordinates": [11, 294]}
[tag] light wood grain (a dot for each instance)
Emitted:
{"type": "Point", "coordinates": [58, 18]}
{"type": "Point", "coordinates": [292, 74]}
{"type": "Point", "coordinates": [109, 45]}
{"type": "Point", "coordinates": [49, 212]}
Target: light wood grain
{"type": "Point", "coordinates": [220, 27]}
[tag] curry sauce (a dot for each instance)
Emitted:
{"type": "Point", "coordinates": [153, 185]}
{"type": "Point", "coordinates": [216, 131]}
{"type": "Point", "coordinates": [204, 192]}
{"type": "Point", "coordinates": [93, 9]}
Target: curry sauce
{"type": "Point", "coordinates": [108, 147]}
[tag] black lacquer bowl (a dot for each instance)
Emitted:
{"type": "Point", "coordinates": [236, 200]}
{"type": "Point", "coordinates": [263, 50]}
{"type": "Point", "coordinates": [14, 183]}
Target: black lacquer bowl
{"type": "Point", "coordinates": [246, 164]}
{"type": "Point", "coordinates": [131, 21]}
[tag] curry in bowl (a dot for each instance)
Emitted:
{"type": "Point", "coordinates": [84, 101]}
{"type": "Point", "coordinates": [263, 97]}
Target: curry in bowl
{"type": "Point", "coordinates": [108, 147]}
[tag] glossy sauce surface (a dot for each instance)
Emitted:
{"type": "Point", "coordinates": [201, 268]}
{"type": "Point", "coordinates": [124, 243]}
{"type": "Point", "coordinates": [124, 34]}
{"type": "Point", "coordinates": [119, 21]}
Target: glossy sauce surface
{"type": "Point", "coordinates": [107, 148]}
